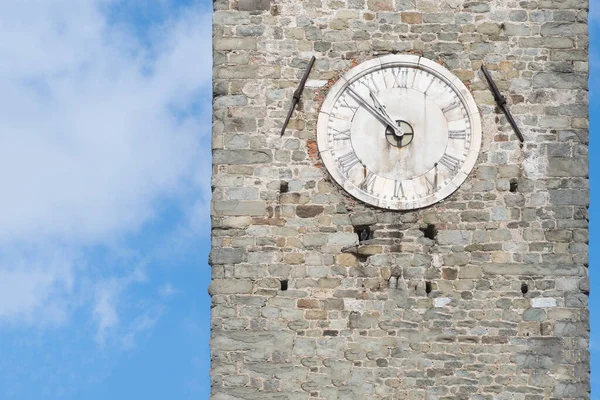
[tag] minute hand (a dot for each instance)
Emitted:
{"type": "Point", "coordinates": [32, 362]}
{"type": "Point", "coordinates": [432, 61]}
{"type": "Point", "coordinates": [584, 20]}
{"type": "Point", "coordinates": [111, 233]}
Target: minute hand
{"type": "Point", "coordinates": [385, 118]}
{"type": "Point", "coordinates": [381, 107]}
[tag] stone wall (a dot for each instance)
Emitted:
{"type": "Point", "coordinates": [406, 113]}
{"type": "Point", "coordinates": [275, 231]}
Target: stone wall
{"type": "Point", "coordinates": [482, 296]}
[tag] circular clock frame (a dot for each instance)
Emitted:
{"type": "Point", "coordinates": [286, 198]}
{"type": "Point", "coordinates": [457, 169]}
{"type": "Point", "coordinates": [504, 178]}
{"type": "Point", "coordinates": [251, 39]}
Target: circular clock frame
{"type": "Point", "coordinates": [413, 173]}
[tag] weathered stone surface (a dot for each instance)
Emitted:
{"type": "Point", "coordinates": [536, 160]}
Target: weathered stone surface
{"type": "Point", "coordinates": [480, 296]}
{"type": "Point", "coordinates": [534, 269]}
{"type": "Point", "coordinates": [569, 197]}
{"type": "Point", "coordinates": [559, 166]}
{"type": "Point", "coordinates": [343, 239]}
{"type": "Point", "coordinates": [241, 156]}
{"type": "Point", "coordinates": [308, 211]}
{"type": "Point", "coordinates": [453, 237]}
{"type": "Point", "coordinates": [412, 17]}
{"type": "Point", "coordinates": [230, 286]}
{"type": "Point", "coordinates": [542, 302]}
{"type": "Point", "coordinates": [254, 5]}
{"type": "Point", "coordinates": [226, 256]}
{"type": "Point", "coordinates": [240, 208]}
{"type": "Point", "coordinates": [534, 314]}
{"type": "Point", "coordinates": [560, 80]}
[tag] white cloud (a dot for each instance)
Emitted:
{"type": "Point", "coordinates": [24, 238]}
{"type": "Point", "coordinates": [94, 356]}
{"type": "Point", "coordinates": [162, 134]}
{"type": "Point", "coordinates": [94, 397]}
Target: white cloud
{"type": "Point", "coordinates": [107, 300]}
{"type": "Point", "coordinates": [140, 326]}
{"type": "Point", "coordinates": [29, 282]}
{"type": "Point", "coordinates": [88, 139]}
{"type": "Point", "coordinates": [94, 134]}
{"type": "Point", "coordinates": [167, 290]}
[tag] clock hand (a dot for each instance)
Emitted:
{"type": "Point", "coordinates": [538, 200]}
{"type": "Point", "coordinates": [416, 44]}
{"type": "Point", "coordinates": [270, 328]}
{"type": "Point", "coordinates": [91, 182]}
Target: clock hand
{"type": "Point", "coordinates": [297, 94]}
{"type": "Point", "coordinates": [501, 101]}
{"type": "Point", "coordinates": [381, 108]}
{"type": "Point", "coordinates": [382, 117]}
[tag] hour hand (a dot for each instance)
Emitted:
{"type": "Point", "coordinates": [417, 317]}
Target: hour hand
{"type": "Point", "coordinates": [382, 115]}
{"type": "Point", "coordinates": [399, 131]}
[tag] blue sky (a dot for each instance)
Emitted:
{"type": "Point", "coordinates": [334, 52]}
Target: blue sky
{"type": "Point", "coordinates": [105, 165]}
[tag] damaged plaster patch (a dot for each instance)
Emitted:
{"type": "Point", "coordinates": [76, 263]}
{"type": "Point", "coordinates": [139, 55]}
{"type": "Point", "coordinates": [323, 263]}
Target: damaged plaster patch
{"type": "Point", "coordinates": [535, 164]}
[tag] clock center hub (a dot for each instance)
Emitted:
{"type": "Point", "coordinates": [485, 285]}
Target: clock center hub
{"type": "Point", "coordinates": [405, 137]}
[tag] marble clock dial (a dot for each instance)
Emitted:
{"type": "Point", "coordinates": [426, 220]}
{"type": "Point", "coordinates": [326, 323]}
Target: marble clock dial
{"type": "Point", "coordinates": [399, 132]}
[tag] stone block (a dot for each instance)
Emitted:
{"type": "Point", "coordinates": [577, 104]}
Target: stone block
{"type": "Point", "coordinates": [235, 44]}
{"type": "Point", "coordinates": [229, 286]}
{"type": "Point", "coordinates": [533, 269]}
{"type": "Point", "coordinates": [238, 208]}
{"type": "Point", "coordinates": [569, 197]}
{"type": "Point", "coordinates": [560, 80]}
{"type": "Point", "coordinates": [343, 239]}
{"type": "Point", "coordinates": [380, 5]}
{"type": "Point", "coordinates": [226, 256]}
{"type": "Point", "coordinates": [570, 167]}
{"type": "Point", "coordinates": [441, 301]}
{"type": "Point", "coordinates": [543, 302]}
{"type": "Point", "coordinates": [470, 272]}
{"type": "Point", "coordinates": [563, 29]}
{"type": "Point", "coordinates": [534, 314]}
{"type": "Point", "coordinates": [412, 17]}
{"type": "Point", "coordinates": [309, 211]}
{"type": "Point", "coordinates": [453, 237]}
{"type": "Point", "coordinates": [242, 156]}
{"type": "Point", "coordinates": [254, 5]}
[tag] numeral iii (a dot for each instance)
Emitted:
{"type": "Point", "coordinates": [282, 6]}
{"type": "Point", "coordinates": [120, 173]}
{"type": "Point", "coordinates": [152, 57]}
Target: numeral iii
{"type": "Point", "coordinates": [457, 134]}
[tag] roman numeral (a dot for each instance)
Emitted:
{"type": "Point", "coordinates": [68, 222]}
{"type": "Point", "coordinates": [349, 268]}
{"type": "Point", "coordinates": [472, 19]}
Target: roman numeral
{"type": "Point", "coordinates": [369, 182]}
{"type": "Point", "coordinates": [457, 134]}
{"type": "Point", "coordinates": [451, 106]}
{"type": "Point", "coordinates": [347, 105]}
{"type": "Point", "coordinates": [428, 86]}
{"type": "Point", "coordinates": [400, 77]}
{"type": "Point", "coordinates": [341, 135]}
{"type": "Point", "coordinates": [369, 83]}
{"type": "Point", "coordinates": [430, 185]}
{"type": "Point", "coordinates": [450, 162]}
{"type": "Point", "coordinates": [398, 189]}
{"type": "Point", "coordinates": [347, 161]}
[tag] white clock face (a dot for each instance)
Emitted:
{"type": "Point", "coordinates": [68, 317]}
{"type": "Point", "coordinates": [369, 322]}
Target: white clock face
{"type": "Point", "coordinates": [399, 132]}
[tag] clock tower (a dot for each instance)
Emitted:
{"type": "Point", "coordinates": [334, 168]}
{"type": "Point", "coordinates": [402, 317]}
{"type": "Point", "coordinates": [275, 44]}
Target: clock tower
{"type": "Point", "coordinates": [417, 229]}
